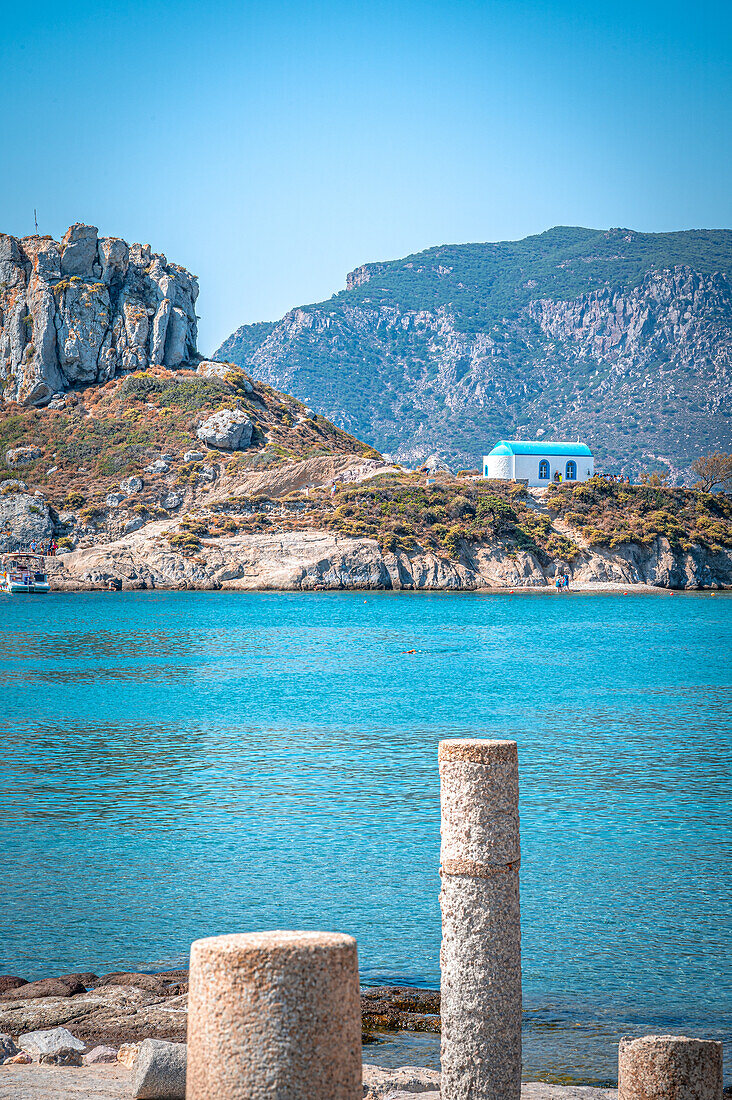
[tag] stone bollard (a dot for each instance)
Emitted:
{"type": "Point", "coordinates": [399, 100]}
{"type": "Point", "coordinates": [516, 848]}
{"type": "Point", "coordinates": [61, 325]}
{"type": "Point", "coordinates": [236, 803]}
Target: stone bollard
{"type": "Point", "coordinates": [274, 1016]}
{"type": "Point", "coordinates": [480, 957]}
{"type": "Point", "coordinates": [669, 1067]}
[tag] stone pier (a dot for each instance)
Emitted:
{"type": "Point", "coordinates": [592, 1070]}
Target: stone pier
{"type": "Point", "coordinates": [669, 1067]}
{"type": "Point", "coordinates": [274, 1016]}
{"type": "Point", "coordinates": [481, 926]}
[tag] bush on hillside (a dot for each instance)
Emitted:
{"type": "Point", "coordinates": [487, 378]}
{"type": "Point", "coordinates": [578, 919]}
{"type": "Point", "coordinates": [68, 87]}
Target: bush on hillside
{"type": "Point", "coordinates": [611, 514]}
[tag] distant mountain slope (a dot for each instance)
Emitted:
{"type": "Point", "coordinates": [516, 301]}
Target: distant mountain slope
{"type": "Point", "coordinates": [620, 337]}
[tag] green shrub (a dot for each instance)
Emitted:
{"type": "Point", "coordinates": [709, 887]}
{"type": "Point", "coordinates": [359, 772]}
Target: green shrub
{"type": "Point", "coordinates": [189, 394]}
{"type": "Point", "coordinates": [184, 542]}
{"type": "Point", "coordinates": [90, 513]}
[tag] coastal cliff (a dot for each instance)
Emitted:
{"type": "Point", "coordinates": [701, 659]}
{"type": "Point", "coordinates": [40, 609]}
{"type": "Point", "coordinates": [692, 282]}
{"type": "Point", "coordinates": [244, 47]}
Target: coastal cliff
{"type": "Point", "coordinates": [86, 309]}
{"type": "Point", "coordinates": [319, 560]}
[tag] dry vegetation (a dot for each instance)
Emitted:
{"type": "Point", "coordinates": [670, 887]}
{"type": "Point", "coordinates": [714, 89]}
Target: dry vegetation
{"type": "Point", "coordinates": [109, 432]}
{"type": "Point", "coordinates": [610, 514]}
{"type": "Point", "coordinates": [398, 511]}
{"type": "Point", "coordinates": [401, 513]}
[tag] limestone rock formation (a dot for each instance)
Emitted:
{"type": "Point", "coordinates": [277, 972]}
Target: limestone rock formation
{"type": "Point", "coordinates": [88, 308]}
{"type": "Point", "coordinates": [24, 519]}
{"type": "Point", "coordinates": [319, 560]}
{"type": "Point", "coordinates": [230, 430]}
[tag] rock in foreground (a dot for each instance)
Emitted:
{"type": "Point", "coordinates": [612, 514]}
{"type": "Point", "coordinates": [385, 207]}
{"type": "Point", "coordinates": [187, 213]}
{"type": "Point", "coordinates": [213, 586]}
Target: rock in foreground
{"type": "Point", "coordinates": [53, 1041]}
{"type": "Point", "coordinates": [114, 1083]}
{"type": "Point", "coordinates": [160, 1071]}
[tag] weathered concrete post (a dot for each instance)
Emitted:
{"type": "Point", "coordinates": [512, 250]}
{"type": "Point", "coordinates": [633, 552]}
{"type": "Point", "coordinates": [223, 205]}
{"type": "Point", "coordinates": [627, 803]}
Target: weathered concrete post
{"type": "Point", "coordinates": [669, 1067]}
{"type": "Point", "coordinates": [481, 925]}
{"type": "Point", "coordinates": [274, 1015]}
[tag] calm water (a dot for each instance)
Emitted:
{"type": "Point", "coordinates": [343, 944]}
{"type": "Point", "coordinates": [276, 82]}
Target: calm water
{"type": "Point", "coordinates": [176, 765]}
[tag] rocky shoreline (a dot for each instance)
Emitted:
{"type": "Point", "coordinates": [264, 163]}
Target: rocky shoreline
{"type": "Point", "coordinates": [79, 1035]}
{"type": "Point", "coordinates": [123, 1008]}
{"type": "Point", "coordinates": [115, 1082]}
{"type": "Point", "coordinates": [323, 561]}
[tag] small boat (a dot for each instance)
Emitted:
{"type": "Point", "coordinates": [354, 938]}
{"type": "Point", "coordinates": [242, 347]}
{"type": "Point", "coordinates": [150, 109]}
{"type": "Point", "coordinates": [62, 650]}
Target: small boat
{"type": "Point", "coordinates": [23, 573]}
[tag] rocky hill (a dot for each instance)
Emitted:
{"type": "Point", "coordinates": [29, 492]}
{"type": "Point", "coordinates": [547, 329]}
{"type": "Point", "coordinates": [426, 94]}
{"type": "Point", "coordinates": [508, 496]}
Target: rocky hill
{"type": "Point", "coordinates": [195, 475]}
{"type": "Point", "coordinates": [208, 479]}
{"type": "Point", "coordinates": [86, 309]}
{"type": "Point", "coordinates": [106, 459]}
{"type": "Point", "coordinates": [622, 338]}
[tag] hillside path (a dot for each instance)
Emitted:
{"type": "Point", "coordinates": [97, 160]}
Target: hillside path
{"type": "Point", "coordinates": [537, 503]}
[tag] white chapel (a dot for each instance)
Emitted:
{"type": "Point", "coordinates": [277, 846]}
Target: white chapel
{"type": "Point", "coordinates": [540, 462]}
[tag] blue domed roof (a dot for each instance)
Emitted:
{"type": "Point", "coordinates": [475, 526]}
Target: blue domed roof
{"type": "Point", "coordinates": [540, 447]}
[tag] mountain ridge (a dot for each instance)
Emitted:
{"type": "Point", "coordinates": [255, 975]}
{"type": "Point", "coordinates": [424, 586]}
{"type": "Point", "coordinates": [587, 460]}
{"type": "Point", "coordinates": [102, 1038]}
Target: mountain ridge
{"type": "Point", "coordinates": [620, 336]}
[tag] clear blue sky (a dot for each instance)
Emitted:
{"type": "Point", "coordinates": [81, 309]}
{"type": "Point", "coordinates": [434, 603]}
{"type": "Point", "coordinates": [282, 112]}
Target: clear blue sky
{"type": "Point", "coordinates": [270, 146]}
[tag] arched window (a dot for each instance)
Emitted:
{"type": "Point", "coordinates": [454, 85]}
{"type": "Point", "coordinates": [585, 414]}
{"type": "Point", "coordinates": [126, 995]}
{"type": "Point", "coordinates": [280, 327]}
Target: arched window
{"type": "Point", "coordinates": [543, 470]}
{"type": "Point", "coordinates": [571, 471]}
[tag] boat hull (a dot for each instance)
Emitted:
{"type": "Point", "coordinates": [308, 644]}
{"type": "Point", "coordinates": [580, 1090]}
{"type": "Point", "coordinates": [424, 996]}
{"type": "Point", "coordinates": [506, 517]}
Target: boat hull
{"type": "Point", "coordinates": [15, 588]}
{"type": "Point", "coordinates": [23, 574]}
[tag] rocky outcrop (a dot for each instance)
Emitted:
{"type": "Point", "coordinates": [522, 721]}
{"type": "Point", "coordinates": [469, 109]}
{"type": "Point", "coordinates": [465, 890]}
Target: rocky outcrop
{"type": "Point", "coordinates": [87, 308]}
{"type": "Point", "coordinates": [24, 519]}
{"type": "Point", "coordinates": [128, 1007]}
{"type": "Point", "coordinates": [46, 987]}
{"type": "Point", "coordinates": [320, 560]}
{"type": "Point", "coordinates": [229, 430]}
{"type": "Point", "coordinates": [111, 1014]}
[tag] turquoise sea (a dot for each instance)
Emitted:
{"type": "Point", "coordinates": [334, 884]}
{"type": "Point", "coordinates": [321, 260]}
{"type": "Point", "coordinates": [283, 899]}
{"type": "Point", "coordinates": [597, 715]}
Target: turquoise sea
{"type": "Point", "coordinates": [175, 765]}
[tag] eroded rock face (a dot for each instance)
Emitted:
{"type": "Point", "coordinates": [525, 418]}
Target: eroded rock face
{"type": "Point", "coordinates": [24, 519]}
{"type": "Point", "coordinates": [111, 1015]}
{"type": "Point", "coordinates": [86, 309]}
{"type": "Point", "coordinates": [315, 560]}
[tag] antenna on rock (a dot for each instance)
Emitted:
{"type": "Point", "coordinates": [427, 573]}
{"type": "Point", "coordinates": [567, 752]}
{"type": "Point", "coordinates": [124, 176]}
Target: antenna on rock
{"type": "Point", "coordinates": [35, 218]}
